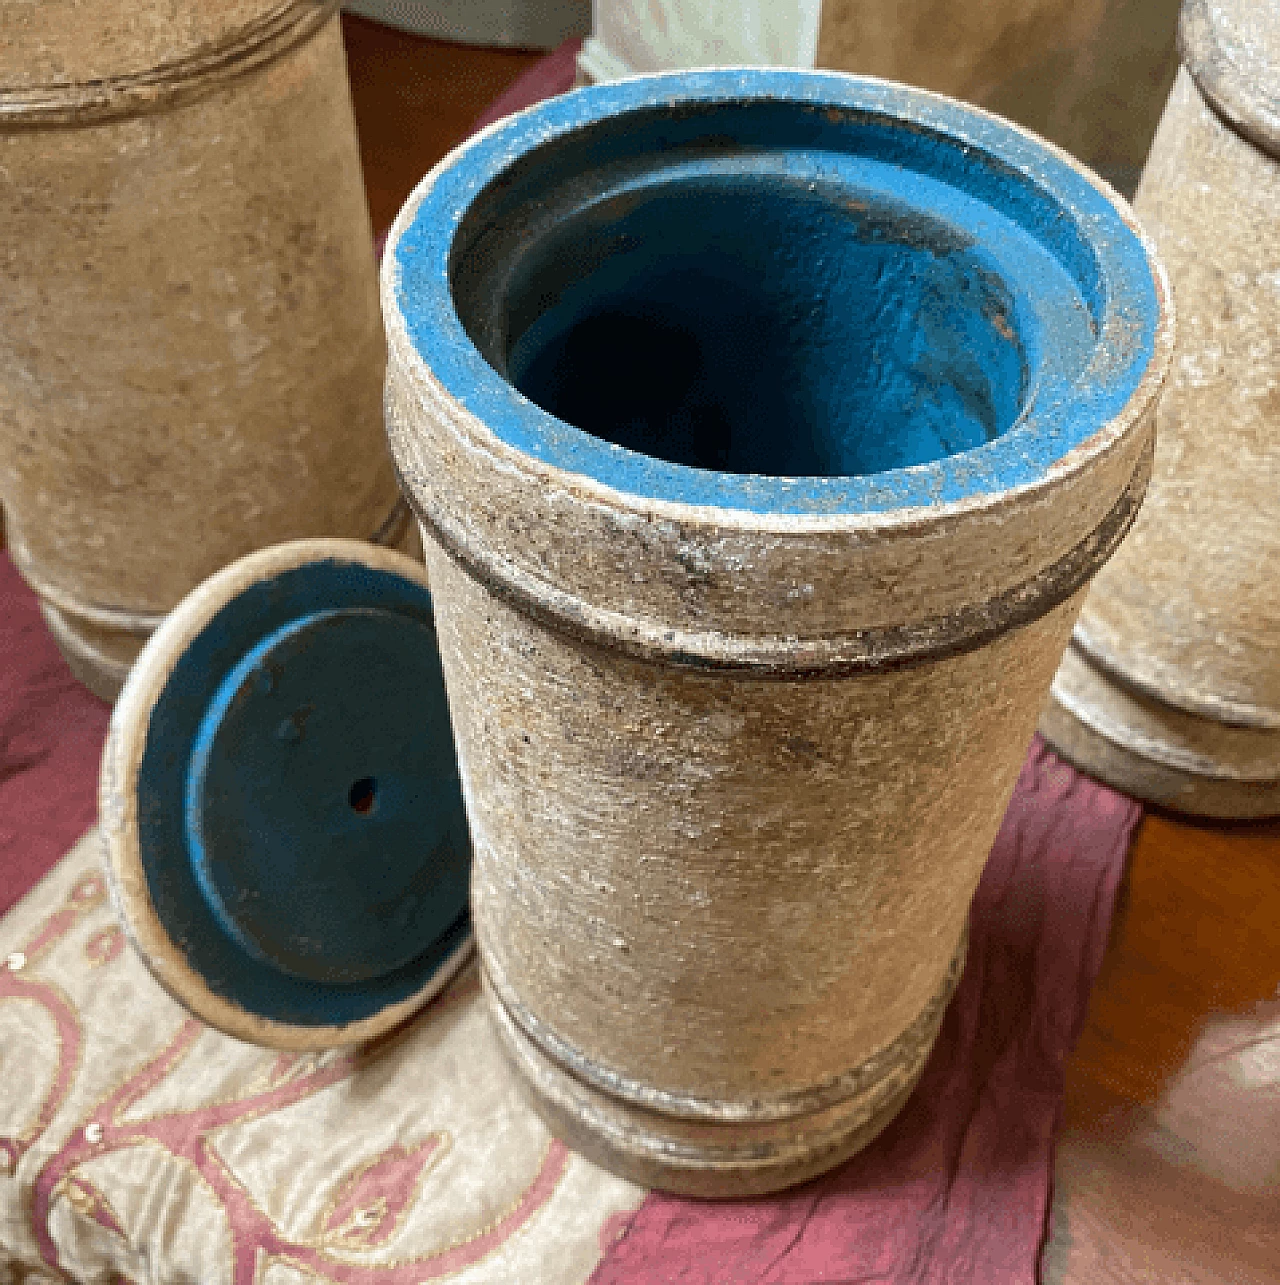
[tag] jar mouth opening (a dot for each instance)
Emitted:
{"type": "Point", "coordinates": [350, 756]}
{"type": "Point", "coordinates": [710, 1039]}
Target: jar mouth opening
{"type": "Point", "coordinates": [749, 320]}
{"type": "Point", "coordinates": [777, 291]}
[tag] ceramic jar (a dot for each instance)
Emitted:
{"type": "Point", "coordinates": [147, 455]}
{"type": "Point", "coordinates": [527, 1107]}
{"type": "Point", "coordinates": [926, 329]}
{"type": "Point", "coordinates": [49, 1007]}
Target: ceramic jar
{"type": "Point", "coordinates": [1171, 688]}
{"type": "Point", "coordinates": [765, 428]}
{"type": "Point", "coordinates": [191, 352]}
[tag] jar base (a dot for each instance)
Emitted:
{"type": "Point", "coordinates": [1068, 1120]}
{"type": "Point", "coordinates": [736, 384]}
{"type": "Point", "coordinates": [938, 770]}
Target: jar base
{"type": "Point", "coordinates": [718, 1158]}
{"type": "Point", "coordinates": [1157, 752]}
{"type": "Point", "coordinates": [90, 666]}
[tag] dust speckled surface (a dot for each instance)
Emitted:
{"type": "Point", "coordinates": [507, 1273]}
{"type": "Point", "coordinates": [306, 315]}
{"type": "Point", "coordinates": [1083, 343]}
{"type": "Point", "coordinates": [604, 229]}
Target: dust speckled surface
{"type": "Point", "coordinates": [193, 349]}
{"type": "Point", "coordinates": [1173, 691]}
{"type": "Point", "coordinates": [735, 745]}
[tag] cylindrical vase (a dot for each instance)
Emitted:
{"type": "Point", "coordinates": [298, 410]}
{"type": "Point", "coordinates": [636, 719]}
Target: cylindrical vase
{"type": "Point", "coordinates": [1171, 687]}
{"type": "Point", "coordinates": [765, 428]}
{"type": "Point", "coordinates": [191, 353]}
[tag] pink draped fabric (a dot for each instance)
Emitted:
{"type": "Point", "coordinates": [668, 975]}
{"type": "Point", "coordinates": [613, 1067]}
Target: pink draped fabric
{"type": "Point", "coordinates": [550, 75]}
{"type": "Point", "coordinates": [51, 734]}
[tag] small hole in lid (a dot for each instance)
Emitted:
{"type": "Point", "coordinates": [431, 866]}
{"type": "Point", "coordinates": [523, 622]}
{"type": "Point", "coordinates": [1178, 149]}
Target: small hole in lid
{"type": "Point", "coordinates": [363, 795]}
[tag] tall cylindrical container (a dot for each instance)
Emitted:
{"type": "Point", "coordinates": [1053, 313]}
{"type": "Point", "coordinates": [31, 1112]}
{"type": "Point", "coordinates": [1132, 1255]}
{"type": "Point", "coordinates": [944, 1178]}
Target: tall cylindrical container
{"type": "Point", "coordinates": [1171, 688]}
{"type": "Point", "coordinates": [766, 428]}
{"type": "Point", "coordinates": [191, 351]}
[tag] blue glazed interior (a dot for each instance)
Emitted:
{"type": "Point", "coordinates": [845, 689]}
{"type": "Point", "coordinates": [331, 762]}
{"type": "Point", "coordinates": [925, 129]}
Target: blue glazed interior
{"type": "Point", "coordinates": [777, 291]}
{"type": "Point", "coordinates": [760, 325]}
{"type": "Point", "coordinates": [301, 822]}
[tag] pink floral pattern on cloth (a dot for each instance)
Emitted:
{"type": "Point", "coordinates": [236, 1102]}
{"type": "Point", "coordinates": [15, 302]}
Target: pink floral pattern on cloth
{"type": "Point", "coordinates": [137, 1145]}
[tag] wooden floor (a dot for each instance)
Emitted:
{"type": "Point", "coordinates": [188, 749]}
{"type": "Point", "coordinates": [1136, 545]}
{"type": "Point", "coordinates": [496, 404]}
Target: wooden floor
{"type": "Point", "coordinates": [1169, 1161]}
{"type": "Point", "coordinates": [1169, 1158]}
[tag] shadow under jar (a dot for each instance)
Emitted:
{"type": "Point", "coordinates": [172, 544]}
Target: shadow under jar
{"type": "Point", "coordinates": [765, 428]}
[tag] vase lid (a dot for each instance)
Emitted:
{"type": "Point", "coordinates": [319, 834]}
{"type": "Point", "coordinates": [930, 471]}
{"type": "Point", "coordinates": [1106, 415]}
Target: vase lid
{"type": "Point", "coordinates": [281, 803]}
{"type": "Point", "coordinates": [1232, 49]}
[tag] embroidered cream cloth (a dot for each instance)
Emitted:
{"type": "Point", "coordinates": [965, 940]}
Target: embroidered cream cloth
{"type": "Point", "coordinates": [138, 1146]}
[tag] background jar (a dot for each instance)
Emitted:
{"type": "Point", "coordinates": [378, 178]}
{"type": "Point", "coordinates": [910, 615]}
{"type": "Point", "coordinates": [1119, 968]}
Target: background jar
{"type": "Point", "coordinates": [191, 352]}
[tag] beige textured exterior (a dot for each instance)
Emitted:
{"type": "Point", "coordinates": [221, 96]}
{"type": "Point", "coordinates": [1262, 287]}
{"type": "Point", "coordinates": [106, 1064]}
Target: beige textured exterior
{"type": "Point", "coordinates": [724, 904]}
{"type": "Point", "coordinates": [191, 351]}
{"type": "Point", "coordinates": [70, 42]}
{"type": "Point", "coordinates": [1153, 751]}
{"type": "Point", "coordinates": [1174, 678]}
{"type": "Point", "coordinates": [1091, 75]}
{"type": "Point", "coordinates": [727, 814]}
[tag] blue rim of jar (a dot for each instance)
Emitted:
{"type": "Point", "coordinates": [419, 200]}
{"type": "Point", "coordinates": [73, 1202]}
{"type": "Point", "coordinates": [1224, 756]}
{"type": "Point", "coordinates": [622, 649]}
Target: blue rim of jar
{"type": "Point", "coordinates": [1018, 177]}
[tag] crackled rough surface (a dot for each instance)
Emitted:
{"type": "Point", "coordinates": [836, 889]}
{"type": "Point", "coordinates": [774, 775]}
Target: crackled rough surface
{"type": "Point", "coordinates": [1184, 609]}
{"type": "Point", "coordinates": [191, 347]}
{"type": "Point", "coordinates": [66, 42]}
{"type": "Point", "coordinates": [722, 895]}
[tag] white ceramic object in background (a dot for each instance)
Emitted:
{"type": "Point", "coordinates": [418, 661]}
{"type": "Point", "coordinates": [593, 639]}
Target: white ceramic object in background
{"type": "Point", "coordinates": [632, 37]}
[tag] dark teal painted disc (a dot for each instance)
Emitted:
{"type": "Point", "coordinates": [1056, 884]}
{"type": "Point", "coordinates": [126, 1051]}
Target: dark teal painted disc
{"type": "Point", "coordinates": [301, 820]}
{"type": "Point", "coordinates": [325, 827]}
